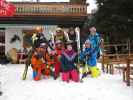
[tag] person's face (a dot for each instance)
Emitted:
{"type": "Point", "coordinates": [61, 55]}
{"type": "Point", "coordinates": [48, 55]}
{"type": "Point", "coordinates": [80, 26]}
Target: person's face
{"type": "Point", "coordinates": [42, 49]}
{"type": "Point", "coordinates": [59, 45]}
{"type": "Point", "coordinates": [72, 32]}
{"type": "Point", "coordinates": [69, 47]}
{"type": "Point", "coordinates": [92, 30]}
{"type": "Point", "coordinates": [39, 29]}
{"type": "Point", "coordinates": [87, 45]}
{"type": "Point", "coordinates": [59, 32]}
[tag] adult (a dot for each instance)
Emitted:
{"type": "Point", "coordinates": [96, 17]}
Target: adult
{"type": "Point", "coordinates": [39, 38]}
{"type": "Point", "coordinates": [60, 35]}
{"type": "Point", "coordinates": [94, 37]}
{"type": "Point", "coordinates": [72, 36]}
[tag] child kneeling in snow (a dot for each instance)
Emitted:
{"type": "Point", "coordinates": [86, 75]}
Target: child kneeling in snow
{"type": "Point", "coordinates": [40, 62]}
{"type": "Point", "coordinates": [90, 57]}
{"type": "Point", "coordinates": [57, 55]}
{"type": "Point", "coordinates": [68, 60]}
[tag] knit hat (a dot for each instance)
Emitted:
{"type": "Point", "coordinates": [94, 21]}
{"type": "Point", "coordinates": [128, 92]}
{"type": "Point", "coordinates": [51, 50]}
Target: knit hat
{"type": "Point", "coordinates": [58, 42]}
{"type": "Point", "coordinates": [88, 42]}
{"type": "Point", "coordinates": [43, 45]}
{"type": "Point", "coordinates": [58, 29]}
{"type": "Point", "coordinates": [69, 43]}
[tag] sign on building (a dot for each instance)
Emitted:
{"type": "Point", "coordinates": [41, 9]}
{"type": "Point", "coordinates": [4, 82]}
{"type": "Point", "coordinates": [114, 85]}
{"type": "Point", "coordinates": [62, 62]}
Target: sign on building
{"type": "Point", "coordinates": [7, 9]}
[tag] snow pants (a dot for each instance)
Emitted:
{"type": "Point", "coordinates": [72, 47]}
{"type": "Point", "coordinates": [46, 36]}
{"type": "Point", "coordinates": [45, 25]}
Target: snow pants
{"type": "Point", "coordinates": [73, 74]}
{"type": "Point", "coordinates": [95, 72]}
{"type": "Point", "coordinates": [42, 70]}
{"type": "Point", "coordinates": [57, 67]}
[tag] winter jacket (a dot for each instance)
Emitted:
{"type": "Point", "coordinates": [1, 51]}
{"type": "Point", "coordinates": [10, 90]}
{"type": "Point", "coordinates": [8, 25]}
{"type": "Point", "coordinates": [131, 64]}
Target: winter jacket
{"type": "Point", "coordinates": [41, 39]}
{"type": "Point", "coordinates": [68, 62]}
{"type": "Point", "coordinates": [36, 63]}
{"type": "Point", "coordinates": [57, 56]}
{"type": "Point", "coordinates": [89, 55]}
{"type": "Point", "coordinates": [95, 42]}
{"type": "Point", "coordinates": [60, 37]}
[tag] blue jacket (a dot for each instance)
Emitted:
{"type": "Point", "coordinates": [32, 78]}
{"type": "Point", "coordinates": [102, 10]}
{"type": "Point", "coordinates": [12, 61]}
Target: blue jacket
{"type": "Point", "coordinates": [95, 40]}
{"type": "Point", "coordinates": [92, 60]}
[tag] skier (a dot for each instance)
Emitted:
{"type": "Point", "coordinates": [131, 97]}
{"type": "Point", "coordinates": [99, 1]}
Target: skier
{"type": "Point", "coordinates": [37, 39]}
{"type": "Point", "coordinates": [60, 35]}
{"type": "Point", "coordinates": [90, 57]}
{"type": "Point", "coordinates": [95, 41]}
{"type": "Point", "coordinates": [72, 36]}
{"type": "Point", "coordinates": [41, 62]}
{"type": "Point", "coordinates": [68, 61]}
{"type": "Point", "coordinates": [57, 55]}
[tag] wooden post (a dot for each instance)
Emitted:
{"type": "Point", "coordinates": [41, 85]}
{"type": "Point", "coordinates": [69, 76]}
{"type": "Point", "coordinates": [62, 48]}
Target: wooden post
{"type": "Point", "coordinates": [128, 72]}
{"type": "Point", "coordinates": [124, 74]}
{"type": "Point", "coordinates": [111, 69]}
{"type": "Point", "coordinates": [103, 69]}
{"type": "Point", "coordinates": [129, 47]}
{"type": "Point", "coordinates": [107, 68]}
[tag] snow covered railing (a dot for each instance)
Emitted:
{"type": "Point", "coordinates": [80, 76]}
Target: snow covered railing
{"type": "Point", "coordinates": [50, 8]}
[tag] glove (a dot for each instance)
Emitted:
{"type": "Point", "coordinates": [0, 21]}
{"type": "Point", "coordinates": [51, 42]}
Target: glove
{"type": "Point", "coordinates": [53, 52]}
{"type": "Point", "coordinates": [59, 57]}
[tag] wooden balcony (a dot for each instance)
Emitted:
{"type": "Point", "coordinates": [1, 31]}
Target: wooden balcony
{"type": "Point", "coordinates": [47, 9]}
{"type": "Point", "coordinates": [47, 13]}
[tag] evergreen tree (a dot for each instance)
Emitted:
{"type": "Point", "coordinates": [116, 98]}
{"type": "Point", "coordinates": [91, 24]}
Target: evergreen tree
{"type": "Point", "coordinates": [114, 16]}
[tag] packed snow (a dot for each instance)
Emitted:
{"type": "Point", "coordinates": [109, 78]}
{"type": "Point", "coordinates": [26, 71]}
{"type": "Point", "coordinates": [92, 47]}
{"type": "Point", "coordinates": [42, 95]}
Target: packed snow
{"type": "Point", "coordinates": [105, 87]}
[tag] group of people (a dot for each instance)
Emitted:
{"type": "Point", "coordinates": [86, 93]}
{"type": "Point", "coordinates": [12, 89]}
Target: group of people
{"type": "Point", "coordinates": [63, 58]}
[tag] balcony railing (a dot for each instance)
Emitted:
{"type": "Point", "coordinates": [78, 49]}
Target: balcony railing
{"type": "Point", "coordinates": [24, 8]}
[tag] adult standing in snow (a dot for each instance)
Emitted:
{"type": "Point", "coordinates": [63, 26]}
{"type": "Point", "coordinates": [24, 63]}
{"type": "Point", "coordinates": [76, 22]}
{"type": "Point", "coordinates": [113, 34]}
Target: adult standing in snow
{"type": "Point", "coordinates": [39, 38]}
{"type": "Point", "coordinates": [72, 36]}
{"type": "Point", "coordinates": [60, 35]}
{"type": "Point", "coordinates": [95, 40]}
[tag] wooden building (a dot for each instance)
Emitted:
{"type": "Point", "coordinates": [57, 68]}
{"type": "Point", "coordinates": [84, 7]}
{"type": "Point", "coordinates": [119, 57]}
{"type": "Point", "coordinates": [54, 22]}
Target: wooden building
{"type": "Point", "coordinates": [47, 14]}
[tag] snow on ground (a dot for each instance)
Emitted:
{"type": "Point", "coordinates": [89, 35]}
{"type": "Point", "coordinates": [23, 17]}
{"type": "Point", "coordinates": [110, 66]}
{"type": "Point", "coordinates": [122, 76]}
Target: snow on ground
{"type": "Point", "coordinates": [106, 87]}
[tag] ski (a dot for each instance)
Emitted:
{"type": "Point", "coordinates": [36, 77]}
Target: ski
{"type": "Point", "coordinates": [27, 64]}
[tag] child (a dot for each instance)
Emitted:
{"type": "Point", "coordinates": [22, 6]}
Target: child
{"type": "Point", "coordinates": [40, 62]}
{"type": "Point", "coordinates": [90, 58]}
{"type": "Point", "coordinates": [68, 60]}
{"type": "Point", "coordinates": [58, 52]}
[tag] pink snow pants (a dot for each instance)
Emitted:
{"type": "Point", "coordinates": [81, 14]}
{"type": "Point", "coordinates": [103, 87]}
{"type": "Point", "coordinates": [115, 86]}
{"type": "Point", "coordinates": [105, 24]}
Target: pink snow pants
{"type": "Point", "coordinates": [70, 74]}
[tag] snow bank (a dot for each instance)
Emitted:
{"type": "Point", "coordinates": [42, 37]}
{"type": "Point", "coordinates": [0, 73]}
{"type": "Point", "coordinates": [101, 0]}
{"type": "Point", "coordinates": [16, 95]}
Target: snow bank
{"type": "Point", "coordinates": [106, 87]}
